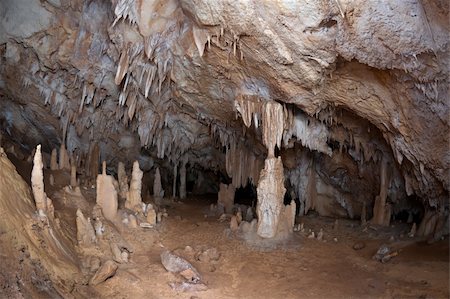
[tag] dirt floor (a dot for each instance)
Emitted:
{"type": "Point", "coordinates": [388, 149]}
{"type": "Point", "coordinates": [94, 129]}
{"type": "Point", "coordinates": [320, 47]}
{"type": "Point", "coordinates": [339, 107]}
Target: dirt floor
{"type": "Point", "coordinates": [302, 267]}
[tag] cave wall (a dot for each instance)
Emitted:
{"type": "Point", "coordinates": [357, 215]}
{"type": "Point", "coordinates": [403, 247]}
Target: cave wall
{"type": "Point", "coordinates": [166, 81]}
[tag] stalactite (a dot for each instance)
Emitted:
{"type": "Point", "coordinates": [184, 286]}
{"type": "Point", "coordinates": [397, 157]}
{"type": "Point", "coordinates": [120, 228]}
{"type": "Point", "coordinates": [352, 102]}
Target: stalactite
{"type": "Point", "coordinates": [272, 126]}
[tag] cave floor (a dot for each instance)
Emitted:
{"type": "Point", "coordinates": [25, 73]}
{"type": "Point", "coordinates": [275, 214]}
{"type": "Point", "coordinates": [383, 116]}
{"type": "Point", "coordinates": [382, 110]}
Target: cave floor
{"type": "Point", "coordinates": [303, 268]}
{"type": "Point", "coordinates": [300, 268]}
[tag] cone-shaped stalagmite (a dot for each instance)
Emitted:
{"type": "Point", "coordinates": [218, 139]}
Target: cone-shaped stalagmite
{"type": "Point", "coordinates": [64, 162]}
{"type": "Point", "coordinates": [134, 198]}
{"type": "Point", "coordinates": [85, 230]}
{"type": "Point", "coordinates": [43, 203]}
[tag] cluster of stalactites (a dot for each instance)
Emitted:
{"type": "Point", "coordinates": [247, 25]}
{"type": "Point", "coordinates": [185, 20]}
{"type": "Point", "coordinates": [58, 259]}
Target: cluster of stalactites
{"type": "Point", "coordinates": [312, 133]}
{"type": "Point", "coordinates": [269, 113]}
{"type": "Point", "coordinates": [242, 164]}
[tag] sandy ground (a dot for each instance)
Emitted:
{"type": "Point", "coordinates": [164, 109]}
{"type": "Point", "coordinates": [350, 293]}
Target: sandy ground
{"type": "Point", "coordinates": [300, 268]}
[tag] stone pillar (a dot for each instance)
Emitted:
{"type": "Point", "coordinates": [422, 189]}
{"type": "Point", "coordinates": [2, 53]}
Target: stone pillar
{"type": "Point", "coordinates": [134, 198]}
{"type": "Point", "coordinates": [183, 180]}
{"type": "Point", "coordinates": [54, 160]}
{"type": "Point", "coordinates": [123, 180]}
{"type": "Point", "coordinates": [158, 192]}
{"type": "Point", "coordinates": [270, 197]}
{"type": "Point", "coordinates": [174, 183]}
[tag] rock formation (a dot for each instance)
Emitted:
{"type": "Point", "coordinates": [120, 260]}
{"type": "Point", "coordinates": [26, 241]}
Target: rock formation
{"type": "Point", "coordinates": [43, 203]}
{"type": "Point", "coordinates": [73, 175]}
{"type": "Point", "coordinates": [107, 195]}
{"type": "Point", "coordinates": [134, 199]}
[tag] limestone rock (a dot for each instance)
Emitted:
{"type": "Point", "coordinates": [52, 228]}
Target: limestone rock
{"type": "Point", "coordinates": [176, 264]}
{"type": "Point", "coordinates": [107, 270]}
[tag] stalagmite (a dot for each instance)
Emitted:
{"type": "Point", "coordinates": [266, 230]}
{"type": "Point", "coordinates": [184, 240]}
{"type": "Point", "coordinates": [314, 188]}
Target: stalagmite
{"type": "Point", "coordinates": [174, 183]}
{"type": "Point", "coordinates": [226, 197]}
{"type": "Point", "coordinates": [270, 197]}
{"type": "Point", "coordinates": [183, 180]}
{"type": "Point", "coordinates": [123, 180]}
{"type": "Point", "coordinates": [158, 192]}
{"type": "Point", "coordinates": [134, 199]}
{"type": "Point", "coordinates": [64, 162]}
{"type": "Point", "coordinates": [85, 230]}
{"type": "Point", "coordinates": [51, 180]}
{"type": "Point", "coordinates": [107, 195]}
{"type": "Point", "coordinates": [73, 175]}
{"type": "Point", "coordinates": [43, 203]}
{"type": "Point", "coordinates": [382, 209]}
{"type": "Point", "coordinates": [54, 160]}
